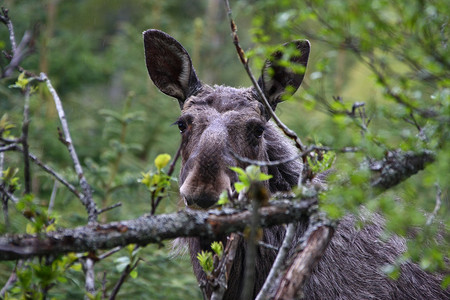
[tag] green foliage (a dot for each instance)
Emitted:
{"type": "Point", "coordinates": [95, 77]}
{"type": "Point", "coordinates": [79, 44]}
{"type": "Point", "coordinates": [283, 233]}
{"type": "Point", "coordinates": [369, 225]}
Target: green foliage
{"type": "Point", "coordinates": [24, 82]}
{"type": "Point", "coordinates": [320, 162]}
{"type": "Point", "coordinates": [5, 127]}
{"type": "Point", "coordinates": [158, 182]}
{"type": "Point", "coordinates": [205, 258]}
{"type": "Point", "coordinates": [394, 57]}
{"type": "Point", "coordinates": [10, 179]}
{"type": "Point", "coordinates": [223, 198]}
{"type": "Point", "coordinates": [246, 177]}
{"type": "Point", "coordinates": [217, 247]}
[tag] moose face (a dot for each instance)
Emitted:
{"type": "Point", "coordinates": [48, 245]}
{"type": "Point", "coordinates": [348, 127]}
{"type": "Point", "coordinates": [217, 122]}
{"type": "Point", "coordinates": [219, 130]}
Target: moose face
{"type": "Point", "coordinates": [219, 123]}
{"type": "Point", "coordinates": [215, 124]}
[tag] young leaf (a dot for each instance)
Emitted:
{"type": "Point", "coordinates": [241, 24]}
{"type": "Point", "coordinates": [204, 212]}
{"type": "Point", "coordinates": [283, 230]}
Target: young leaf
{"type": "Point", "coordinates": [217, 247]}
{"type": "Point", "coordinates": [162, 160]}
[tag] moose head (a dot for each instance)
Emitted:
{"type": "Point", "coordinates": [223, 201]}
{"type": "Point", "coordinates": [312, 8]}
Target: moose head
{"type": "Point", "coordinates": [217, 121]}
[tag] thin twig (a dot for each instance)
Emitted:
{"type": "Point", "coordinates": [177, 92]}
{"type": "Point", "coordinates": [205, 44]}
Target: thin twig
{"type": "Point", "coordinates": [18, 55]}
{"type": "Point", "coordinates": [88, 269]}
{"type": "Point", "coordinates": [8, 194]}
{"type": "Point", "coordinates": [283, 161]}
{"type": "Point", "coordinates": [122, 278]}
{"type": "Point", "coordinates": [11, 280]}
{"type": "Point", "coordinates": [8, 148]}
{"type": "Point", "coordinates": [24, 141]}
{"type": "Point", "coordinates": [51, 172]}
{"type": "Point", "coordinates": [169, 173]}
{"type": "Point", "coordinates": [109, 208]}
{"type": "Point", "coordinates": [5, 19]}
{"type": "Point", "coordinates": [104, 281]}
{"type": "Point", "coordinates": [3, 197]}
{"type": "Point", "coordinates": [109, 253]}
{"type": "Point", "coordinates": [52, 197]}
{"type": "Point", "coordinates": [87, 199]}
{"type": "Point", "coordinates": [224, 267]}
{"type": "Point", "coordinates": [288, 132]}
{"type": "Point", "coordinates": [437, 206]}
{"type": "Point", "coordinates": [279, 262]}
{"type": "Point", "coordinates": [250, 255]}
{"type": "Point", "coordinates": [2, 157]}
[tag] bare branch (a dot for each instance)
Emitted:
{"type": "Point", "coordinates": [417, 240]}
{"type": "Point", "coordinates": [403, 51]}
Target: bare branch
{"type": "Point", "coordinates": [18, 55]}
{"type": "Point", "coordinates": [259, 196]}
{"type": "Point", "coordinates": [288, 132]}
{"type": "Point", "coordinates": [278, 264]}
{"type": "Point", "coordinates": [122, 278]}
{"type": "Point", "coordinates": [224, 267]}
{"type": "Point", "coordinates": [11, 280]}
{"type": "Point", "coordinates": [303, 264]}
{"type": "Point", "coordinates": [156, 202]}
{"type": "Point", "coordinates": [150, 229]}
{"type": "Point", "coordinates": [398, 166]}
{"type": "Point", "coordinates": [437, 206]}
{"type": "Point", "coordinates": [86, 199]}
{"type": "Point", "coordinates": [5, 19]}
{"type": "Point", "coordinates": [8, 148]}
{"type": "Point", "coordinates": [54, 174]}
{"type": "Point", "coordinates": [103, 210]}
{"type": "Point", "coordinates": [8, 194]}
{"type": "Point", "coordinates": [18, 52]}
{"type": "Point", "coordinates": [88, 268]}
{"type": "Point", "coordinates": [51, 203]}
{"type": "Point", "coordinates": [109, 253]}
{"type": "Point", "coordinates": [24, 141]}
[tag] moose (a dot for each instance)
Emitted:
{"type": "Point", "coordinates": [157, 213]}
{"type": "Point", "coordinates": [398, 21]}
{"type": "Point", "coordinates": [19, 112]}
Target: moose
{"type": "Point", "coordinates": [219, 121]}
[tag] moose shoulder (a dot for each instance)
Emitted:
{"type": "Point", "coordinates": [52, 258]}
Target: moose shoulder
{"type": "Point", "coordinates": [217, 121]}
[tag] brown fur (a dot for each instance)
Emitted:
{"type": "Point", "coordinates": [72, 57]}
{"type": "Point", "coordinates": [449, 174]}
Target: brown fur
{"type": "Point", "coordinates": [218, 121]}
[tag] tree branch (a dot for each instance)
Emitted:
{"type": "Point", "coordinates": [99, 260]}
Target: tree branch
{"type": "Point", "coordinates": [398, 166]}
{"type": "Point", "coordinates": [224, 268]}
{"type": "Point", "coordinates": [88, 268]}
{"type": "Point", "coordinates": [278, 264]}
{"type": "Point", "coordinates": [18, 52]}
{"type": "Point", "coordinates": [150, 229]}
{"type": "Point", "coordinates": [286, 130]}
{"type": "Point", "coordinates": [87, 197]}
{"type": "Point", "coordinates": [24, 141]}
{"type": "Point", "coordinates": [300, 269]}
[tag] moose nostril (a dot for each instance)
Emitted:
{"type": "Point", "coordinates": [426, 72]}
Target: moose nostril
{"type": "Point", "coordinates": [202, 201]}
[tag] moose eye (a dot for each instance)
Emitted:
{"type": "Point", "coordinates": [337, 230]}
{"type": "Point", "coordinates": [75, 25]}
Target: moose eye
{"type": "Point", "coordinates": [182, 126]}
{"type": "Point", "coordinates": [255, 130]}
{"type": "Point", "coordinates": [258, 131]}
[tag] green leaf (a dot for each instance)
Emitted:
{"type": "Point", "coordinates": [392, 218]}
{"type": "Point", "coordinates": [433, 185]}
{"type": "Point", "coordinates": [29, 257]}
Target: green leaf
{"type": "Point", "coordinates": [205, 259]}
{"type": "Point", "coordinates": [134, 274]}
{"type": "Point", "coordinates": [217, 247]}
{"type": "Point", "coordinates": [223, 198]}
{"type": "Point", "coordinates": [162, 160]}
{"type": "Point", "coordinates": [238, 170]}
{"type": "Point", "coordinates": [264, 177]}
{"type": "Point", "coordinates": [121, 263]}
{"type": "Point", "coordinates": [239, 186]}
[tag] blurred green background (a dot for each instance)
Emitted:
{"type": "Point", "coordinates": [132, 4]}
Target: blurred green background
{"type": "Point", "coordinates": [92, 51]}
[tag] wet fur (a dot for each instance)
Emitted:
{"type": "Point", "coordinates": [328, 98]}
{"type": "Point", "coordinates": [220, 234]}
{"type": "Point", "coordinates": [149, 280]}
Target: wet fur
{"type": "Point", "coordinates": [218, 120]}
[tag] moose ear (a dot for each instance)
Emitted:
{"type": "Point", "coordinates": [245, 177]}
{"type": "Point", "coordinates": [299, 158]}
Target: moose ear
{"type": "Point", "coordinates": [277, 79]}
{"type": "Point", "coordinates": [169, 65]}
